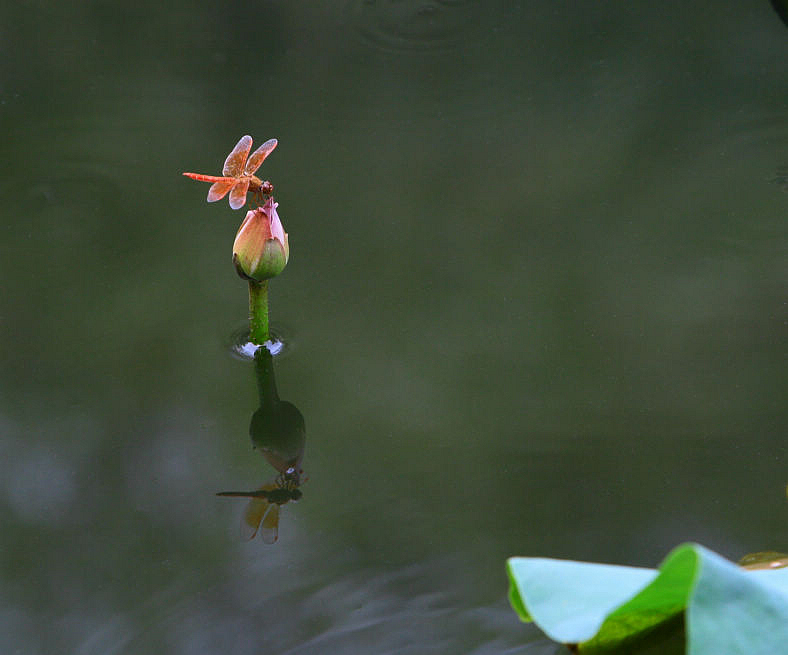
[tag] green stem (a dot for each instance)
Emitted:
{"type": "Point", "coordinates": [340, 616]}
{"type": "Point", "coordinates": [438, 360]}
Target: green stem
{"type": "Point", "coordinates": [258, 312]}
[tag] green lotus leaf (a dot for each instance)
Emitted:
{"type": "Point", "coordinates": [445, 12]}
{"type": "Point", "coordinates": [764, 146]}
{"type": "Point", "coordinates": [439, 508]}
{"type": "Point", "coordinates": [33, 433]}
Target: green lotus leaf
{"type": "Point", "coordinates": [725, 608]}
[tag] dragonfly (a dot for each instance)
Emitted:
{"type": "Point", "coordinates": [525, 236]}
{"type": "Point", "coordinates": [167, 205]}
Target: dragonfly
{"type": "Point", "coordinates": [262, 512]}
{"type": "Point", "coordinates": [238, 175]}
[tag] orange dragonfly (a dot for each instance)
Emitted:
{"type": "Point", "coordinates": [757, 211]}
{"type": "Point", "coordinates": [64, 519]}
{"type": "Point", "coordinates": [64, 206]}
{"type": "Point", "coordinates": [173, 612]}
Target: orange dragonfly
{"type": "Point", "coordinates": [238, 176]}
{"type": "Point", "coordinates": [262, 512]}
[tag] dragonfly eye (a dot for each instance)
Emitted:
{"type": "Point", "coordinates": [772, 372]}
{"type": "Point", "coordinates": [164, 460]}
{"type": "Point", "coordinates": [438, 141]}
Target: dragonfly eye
{"type": "Point", "coordinates": [291, 475]}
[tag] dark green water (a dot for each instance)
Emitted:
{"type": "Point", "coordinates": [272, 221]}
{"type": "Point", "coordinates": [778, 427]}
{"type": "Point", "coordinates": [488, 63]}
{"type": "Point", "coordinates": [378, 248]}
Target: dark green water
{"type": "Point", "coordinates": [536, 305]}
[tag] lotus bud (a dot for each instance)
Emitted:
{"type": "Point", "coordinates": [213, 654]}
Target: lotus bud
{"type": "Point", "coordinates": [261, 248]}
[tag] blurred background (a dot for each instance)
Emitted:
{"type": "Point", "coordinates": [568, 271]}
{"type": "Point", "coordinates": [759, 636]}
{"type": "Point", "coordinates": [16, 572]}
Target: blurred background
{"type": "Point", "coordinates": [535, 305]}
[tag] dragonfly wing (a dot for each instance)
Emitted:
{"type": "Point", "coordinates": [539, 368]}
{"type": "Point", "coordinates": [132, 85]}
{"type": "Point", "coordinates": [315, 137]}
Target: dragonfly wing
{"type": "Point", "coordinates": [219, 190]}
{"type": "Point", "coordinates": [238, 194]}
{"type": "Point", "coordinates": [253, 516]}
{"type": "Point", "coordinates": [234, 164]}
{"type": "Point", "coordinates": [269, 528]}
{"type": "Point", "coordinates": [259, 155]}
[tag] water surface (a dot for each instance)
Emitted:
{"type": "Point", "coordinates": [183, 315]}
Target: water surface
{"type": "Point", "coordinates": [535, 306]}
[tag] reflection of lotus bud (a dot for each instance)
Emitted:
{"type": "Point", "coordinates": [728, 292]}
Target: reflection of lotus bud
{"type": "Point", "coordinates": [261, 249]}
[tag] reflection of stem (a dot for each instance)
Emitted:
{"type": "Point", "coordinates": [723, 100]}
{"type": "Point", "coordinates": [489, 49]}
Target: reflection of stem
{"type": "Point", "coordinates": [258, 312]}
{"type": "Point", "coordinates": [277, 427]}
{"type": "Point", "coordinates": [266, 382]}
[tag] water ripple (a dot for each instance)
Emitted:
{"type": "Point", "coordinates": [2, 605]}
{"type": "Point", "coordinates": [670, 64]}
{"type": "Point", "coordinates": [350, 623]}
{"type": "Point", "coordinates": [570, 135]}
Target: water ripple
{"type": "Point", "coordinates": [412, 25]}
{"type": "Point", "coordinates": [241, 348]}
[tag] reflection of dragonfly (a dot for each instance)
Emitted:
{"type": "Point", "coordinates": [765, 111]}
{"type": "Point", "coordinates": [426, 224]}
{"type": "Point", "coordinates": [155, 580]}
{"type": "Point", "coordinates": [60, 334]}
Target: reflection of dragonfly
{"type": "Point", "coordinates": [262, 512]}
{"type": "Point", "coordinates": [238, 174]}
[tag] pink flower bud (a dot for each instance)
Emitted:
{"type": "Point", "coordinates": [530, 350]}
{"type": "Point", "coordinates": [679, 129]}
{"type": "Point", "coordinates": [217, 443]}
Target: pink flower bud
{"type": "Point", "coordinates": [261, 248]}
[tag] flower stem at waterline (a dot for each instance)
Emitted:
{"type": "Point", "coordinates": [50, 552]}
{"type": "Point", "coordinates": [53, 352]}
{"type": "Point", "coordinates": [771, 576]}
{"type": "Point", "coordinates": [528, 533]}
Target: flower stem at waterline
{"type": "Point", "coordinates": [258, 312]}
